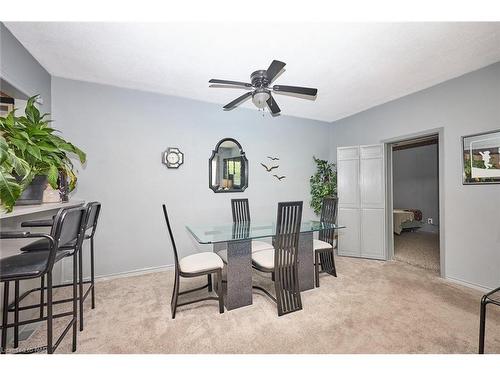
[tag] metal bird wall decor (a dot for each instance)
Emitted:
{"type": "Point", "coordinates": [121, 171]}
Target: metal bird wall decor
{"type": "Point", "coordinates": [269, 169]}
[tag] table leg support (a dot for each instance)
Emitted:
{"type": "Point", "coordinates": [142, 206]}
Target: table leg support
{"type": "Point", "coordinates": [306, 261]}
{"type": "Point", "coordinates": [238, 288]}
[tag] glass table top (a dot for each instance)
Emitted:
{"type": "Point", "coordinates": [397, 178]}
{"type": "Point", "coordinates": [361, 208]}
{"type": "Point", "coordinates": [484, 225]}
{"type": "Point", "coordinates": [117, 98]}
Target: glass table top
{"type": "Point", "coordinates": [209, 234]}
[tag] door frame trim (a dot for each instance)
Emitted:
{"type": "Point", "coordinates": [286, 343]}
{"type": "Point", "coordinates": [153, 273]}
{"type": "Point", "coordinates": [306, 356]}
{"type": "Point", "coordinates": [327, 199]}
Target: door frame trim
{"type": "Point", "coordinates": [388, 145]}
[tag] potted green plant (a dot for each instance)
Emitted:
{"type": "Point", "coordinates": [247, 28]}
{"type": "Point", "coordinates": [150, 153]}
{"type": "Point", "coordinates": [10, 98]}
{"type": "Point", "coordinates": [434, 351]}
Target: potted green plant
{"type": "Point", "coordinates": [47, 155]}
{"type": "Point", "coordinates": [323, 183]}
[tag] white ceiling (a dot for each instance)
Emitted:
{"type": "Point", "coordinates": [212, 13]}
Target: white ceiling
{"type": "Point", "coordinates": [355, 66]}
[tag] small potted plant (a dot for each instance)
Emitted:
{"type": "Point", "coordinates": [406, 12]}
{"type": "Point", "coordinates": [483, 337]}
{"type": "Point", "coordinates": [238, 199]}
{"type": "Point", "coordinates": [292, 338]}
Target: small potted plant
{"type": "Point", "coordinates": [44, 155]}
{"type": "Point", "coordinates": [323, 183]}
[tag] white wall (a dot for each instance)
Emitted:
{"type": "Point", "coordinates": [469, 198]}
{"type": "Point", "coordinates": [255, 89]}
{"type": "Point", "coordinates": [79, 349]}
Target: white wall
{"type": "Point", "coordinates": [124, 133]}
{"type": "Point", "coordinates": [416, 182]}
{"type": "Point", "coordinates": [462, 106]}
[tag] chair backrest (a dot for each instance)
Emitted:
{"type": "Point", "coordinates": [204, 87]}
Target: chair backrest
{"type": "Point", "coordinates": [328, 215]}
{"type": "Point", "coordinates": [240, 210]}
{"type": "Point", "coordinates": [68, 227]}
{"type": "Point", "coordinates": [176, 257]}
{"type": "Point", "coordinates": [286, 245]}
{"type": "Point", "coordinates": [93, 211]}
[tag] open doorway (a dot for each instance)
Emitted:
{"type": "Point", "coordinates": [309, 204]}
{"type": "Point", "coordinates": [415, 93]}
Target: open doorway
{"type": "Point", "coordinates": [415, 202]}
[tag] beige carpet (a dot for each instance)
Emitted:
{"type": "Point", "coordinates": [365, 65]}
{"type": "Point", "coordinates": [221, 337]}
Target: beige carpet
{"type": "Point", "coordinates": [372, 307]}
{"type": "Point", "coordinates": [418, 248]}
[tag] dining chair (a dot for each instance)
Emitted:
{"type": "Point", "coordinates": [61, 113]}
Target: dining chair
{"type": "Point", "coordinates": [67, 228]}
{"type": "Point", "coordinates": [93, 210]}
{"type": "Point", "coordinates": [241, 214]}
{"type": "Point", "coordinates": [324, 246]}
{"type": "Point", "coordinates": [195, 265]}
{"type": "Point", "coordinates": [492, 297]}
{"type": "Point", "coordinates": [282, 259]}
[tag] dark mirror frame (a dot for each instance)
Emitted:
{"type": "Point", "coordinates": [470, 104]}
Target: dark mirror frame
{"type": "Point", "coordinates": [243, 157]}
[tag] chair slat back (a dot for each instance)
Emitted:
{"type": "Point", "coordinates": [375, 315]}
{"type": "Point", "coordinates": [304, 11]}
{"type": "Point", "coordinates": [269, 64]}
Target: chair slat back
{"type": "Point", "coordinates": [328, 215]}
{"type": "Point", "coordinates": [241, 210]}
{"type": "Point", "coordinates": [286, 245]}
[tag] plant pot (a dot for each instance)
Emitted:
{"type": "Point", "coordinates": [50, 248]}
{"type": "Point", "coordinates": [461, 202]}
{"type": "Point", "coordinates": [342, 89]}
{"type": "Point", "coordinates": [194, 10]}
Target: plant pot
{"type": "Point", "coordinates": [34, 192]}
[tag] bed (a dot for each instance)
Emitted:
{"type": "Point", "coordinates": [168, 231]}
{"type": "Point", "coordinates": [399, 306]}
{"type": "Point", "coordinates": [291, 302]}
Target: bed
{"type": "Point", "coordinates": [406, 219]}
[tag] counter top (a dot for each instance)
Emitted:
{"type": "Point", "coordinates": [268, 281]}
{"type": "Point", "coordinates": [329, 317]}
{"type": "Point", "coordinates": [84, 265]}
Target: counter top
{"type": "Point", "coordinates": [31, 209]}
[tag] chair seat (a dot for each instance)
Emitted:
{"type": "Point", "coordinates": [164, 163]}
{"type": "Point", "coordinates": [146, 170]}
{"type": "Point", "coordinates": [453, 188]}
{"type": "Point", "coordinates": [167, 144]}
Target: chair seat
{"type": "Point", "coordinates": [321, 245]}
{"type": "Point", "coordinates": [200, 262]}
{"type": "Point", "coordinates": [264, 259]}
{"type": "Point", "coordinates": [27, 265]}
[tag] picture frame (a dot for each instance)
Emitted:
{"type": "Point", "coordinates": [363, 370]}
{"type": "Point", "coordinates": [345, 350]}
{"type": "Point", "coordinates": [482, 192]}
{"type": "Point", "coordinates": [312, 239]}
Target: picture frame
{"type": "Point", "coordinates": [481, 158]}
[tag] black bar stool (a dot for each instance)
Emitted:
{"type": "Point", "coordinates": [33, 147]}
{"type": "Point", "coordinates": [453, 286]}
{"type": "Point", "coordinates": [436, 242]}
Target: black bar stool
{"type": "Point", "coordinates": [490, 297]}
{"type": "Point", "coordinates": [93, 210]}
{"type": "Point", "coordinates": [68, 228]}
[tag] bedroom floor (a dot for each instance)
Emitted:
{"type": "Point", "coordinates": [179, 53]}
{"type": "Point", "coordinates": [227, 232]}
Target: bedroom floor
{"type": "Point", "coordinates": [418, 248]}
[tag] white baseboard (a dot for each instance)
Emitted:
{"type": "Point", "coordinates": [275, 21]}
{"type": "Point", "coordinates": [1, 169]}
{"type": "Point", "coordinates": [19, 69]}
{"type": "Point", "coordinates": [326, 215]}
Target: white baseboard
{"type": "Point", "coordinates": [137, 272]}
{"type": "Point", "coordinates": [481, 288]}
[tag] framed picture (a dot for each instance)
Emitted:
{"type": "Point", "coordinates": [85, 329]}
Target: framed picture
{"type": "Point", "coordinates": [481, 158]}
{"type": "Point", "coordinates": [6, 105]}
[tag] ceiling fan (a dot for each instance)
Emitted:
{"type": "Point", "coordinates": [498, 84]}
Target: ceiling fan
{"type": "Point", "coordinates": [261, 91]}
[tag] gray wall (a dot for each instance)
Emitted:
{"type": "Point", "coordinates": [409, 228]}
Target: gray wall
{"type": "Point", "coordinates": [416, 182]}
{"type": "Point", "coordinates": [124, 133]}
{"type": "Point", "coordinates": [464, 105]}
{"type": "Point", "coordinates": [21, 71]}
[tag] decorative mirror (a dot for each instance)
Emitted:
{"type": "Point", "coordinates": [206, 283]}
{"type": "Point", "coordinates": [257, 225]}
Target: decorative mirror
{"type": "Point", "coordinates": [228, 167]}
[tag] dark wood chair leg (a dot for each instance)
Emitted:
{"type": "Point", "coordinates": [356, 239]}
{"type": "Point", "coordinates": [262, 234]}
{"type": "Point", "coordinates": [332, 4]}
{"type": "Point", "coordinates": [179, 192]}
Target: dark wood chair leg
{"type": "Point", "coordinates": [50, 348]}
{"type": "Point", "coordinates": [482, 324]}
{"type": "Point", "coordinates": [221, 294]}
{"type": "Point", "coordinates": [209, 277]}
{"type": "Point", "coordinates": [5, 314]}
{"type": "Point", "coordinates": [80, 286]}
{"type": "Point", "coordinates": [175, 295]}
{"type": "Point", "coordinates": [316, 268]}
{"type": "Point", "coordinates": [75, 302]}
{"type": "Point", "coordinates": [92, 273]}
{"type": "Point", "coordinates": [333, 263]}
{"type": "Point", "coordinates": [16, 314]}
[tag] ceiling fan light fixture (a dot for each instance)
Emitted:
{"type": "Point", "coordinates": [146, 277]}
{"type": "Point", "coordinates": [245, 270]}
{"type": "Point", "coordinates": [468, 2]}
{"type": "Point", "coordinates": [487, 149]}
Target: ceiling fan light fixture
{"type": "Point", "coordinates": [259, 98]}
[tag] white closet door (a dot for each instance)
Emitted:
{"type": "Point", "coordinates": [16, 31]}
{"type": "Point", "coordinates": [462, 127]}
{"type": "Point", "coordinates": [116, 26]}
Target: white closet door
{"type": "Point", "coordinates": [372, 197]}
{"type": "Point", "coordinates": [348, 176]}
{"type": "Point", "coordinates": [361, 192]}
{"type": "Point", "coordinates": [349, 239]}
{"type": "Point", "coordinates": [371, 176]}
{"type": "Point", "coordinates": [373, 233]}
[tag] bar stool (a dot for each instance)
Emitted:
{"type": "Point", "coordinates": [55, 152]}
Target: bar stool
{"type": "Point", "coordinates": [490, 297]}
{"type": "Point", "coordinates": [68, 228]}
{"type": "Point", "coordinates": [93, 210]}
{"type": "Point", "coordinates": [324, 246]}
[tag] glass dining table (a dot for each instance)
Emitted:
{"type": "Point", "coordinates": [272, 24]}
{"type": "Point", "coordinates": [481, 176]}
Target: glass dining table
{"type": "Point", "coordinates": [233, 243]}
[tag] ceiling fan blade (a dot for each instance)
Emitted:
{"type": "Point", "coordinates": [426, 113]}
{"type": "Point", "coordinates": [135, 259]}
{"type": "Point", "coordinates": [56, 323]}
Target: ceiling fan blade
{"type": "Point", "coordinates": [296, 90]}
{"type": "Point", "coordinates": [274, 69]}
{"type": "Point", "coordinates": [235, 83]}
{"type": "Point", "coordinates": [273, 106]}
{"type": "Point", "coordinates": [238, 100]}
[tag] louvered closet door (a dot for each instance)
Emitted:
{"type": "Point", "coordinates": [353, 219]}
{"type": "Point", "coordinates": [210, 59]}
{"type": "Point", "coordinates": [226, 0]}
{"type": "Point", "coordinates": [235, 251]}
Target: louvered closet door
{"type": "Point", "coordinates": [349, 241]}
